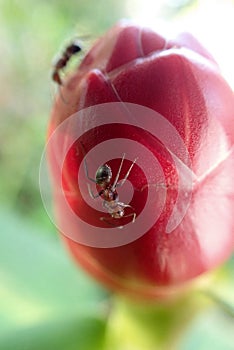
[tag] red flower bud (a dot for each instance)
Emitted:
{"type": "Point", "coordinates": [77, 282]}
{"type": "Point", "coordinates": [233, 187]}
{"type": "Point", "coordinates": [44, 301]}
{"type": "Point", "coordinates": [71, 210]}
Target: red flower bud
{"type": "Point", "coordinates": [180, 84]}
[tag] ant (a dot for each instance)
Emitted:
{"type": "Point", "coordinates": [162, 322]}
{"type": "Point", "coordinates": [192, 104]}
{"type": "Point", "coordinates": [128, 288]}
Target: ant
{"type": "Point", "coordinates": [108, 191]}
{"type": "Point", "coordinates": [61, 63]}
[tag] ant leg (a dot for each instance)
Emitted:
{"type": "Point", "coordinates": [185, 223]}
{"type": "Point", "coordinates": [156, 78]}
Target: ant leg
{"type": "Point", "coordinates": [128, 215]}
{"type": "Point", "coordinates": [125, 205]}
{"type": "Point", "coordinates": [87, 173]}
{"type": "Point", "coordinates": [108, 219]}
{"type": "Point", "coordinates": [133, 215]}
{"type": "Point", "coordinates": [92, 195]}
{"type": "Point", "coordinates": [122, 182]}
{"type": "Point", "coordinates": [85, 164]}
{"type": "Point", "coordinates": [117, 176]}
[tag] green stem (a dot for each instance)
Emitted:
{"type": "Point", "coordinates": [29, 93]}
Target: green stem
{"type": "Point", "coordinates": [141, 326]}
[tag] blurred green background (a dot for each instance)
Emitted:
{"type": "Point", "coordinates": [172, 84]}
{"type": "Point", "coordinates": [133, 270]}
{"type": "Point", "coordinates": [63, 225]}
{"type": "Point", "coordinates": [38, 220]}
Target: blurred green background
{"type": "Point", "coordinates": [45, 301]}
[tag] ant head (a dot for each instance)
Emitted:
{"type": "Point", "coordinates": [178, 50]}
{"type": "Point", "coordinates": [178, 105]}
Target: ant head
{"type": "Point", "coordinates": [103, 175]}
{"type": "Point", "coordinates": [74, 48]}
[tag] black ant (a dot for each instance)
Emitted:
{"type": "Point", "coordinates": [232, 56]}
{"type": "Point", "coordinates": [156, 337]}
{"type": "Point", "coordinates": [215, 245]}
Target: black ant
{"type": "Point", "coordinates": [108, 191]}
{"type": "Point", "coordinates": [61, 63]}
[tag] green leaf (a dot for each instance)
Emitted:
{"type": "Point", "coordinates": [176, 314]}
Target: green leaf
{"type": "Point", "coordinates": [45, 301]}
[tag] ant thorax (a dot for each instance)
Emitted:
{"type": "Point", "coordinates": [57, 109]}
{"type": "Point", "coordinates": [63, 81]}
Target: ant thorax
{"type": "Point", "coordinates": [108, 194]}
